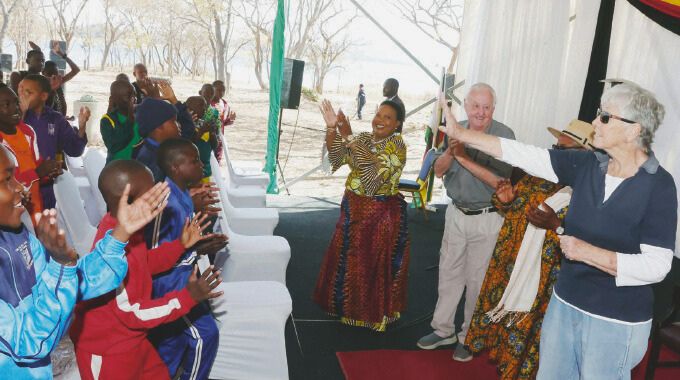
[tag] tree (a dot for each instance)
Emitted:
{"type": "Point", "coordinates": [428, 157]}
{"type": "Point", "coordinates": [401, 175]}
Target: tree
{"type": "Point", "coordinates": [258, 17]}
{"type": "Point", "coordinates": [7, 7]}
{"type": "Point", "coordinates": [64, 17]}
{"type": "Point", "coordinates": [216, 19]}
{"type": "Point", "coordinates": [441, 20]}
{"type": "Point", "coordinates": [19, 28]}
{"type": "Point", "coordinates": [113, 28]}
{"type": "Point", "coordinates": [301, 28]}
{"type": "Point", "coordinates": [330, 42]}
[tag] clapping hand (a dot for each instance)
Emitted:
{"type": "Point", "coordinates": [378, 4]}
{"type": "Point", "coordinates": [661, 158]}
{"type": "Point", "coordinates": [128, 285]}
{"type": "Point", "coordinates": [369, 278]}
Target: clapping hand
{"type": "Point", "coordinates": [83, 118]}
{"type": "Point", "coordinates": [166, 92]}
{"type": "Point", "coordinates": [132, 217]}
{"type": "Point", "coordinates": [328, 113]}
{"type": "Point", "coordinates": [149, 88]}
{"type": "Point", "coordinates": [211, 244]}
{"type": "Point", "coordinates": [49, 168]}
{"type": "Point", "coordinates": [343, 124]}
{"type": "Point", "coordinates": [543, 217]}
{"type": "Point", "coordinates": [204, 197]}
{"type": "Point", "coordinates": [192, 232]}
{"type": "Point", "coordinates": [201, 288]}
{"type": "Point", "coordinates": [456, 148]}
{"type": "Point", "coordinates": [505, 192]}
{"type": "Point", "coordinates": [54, 239]}
{"type": "Point", "coordinates": [452, 128]}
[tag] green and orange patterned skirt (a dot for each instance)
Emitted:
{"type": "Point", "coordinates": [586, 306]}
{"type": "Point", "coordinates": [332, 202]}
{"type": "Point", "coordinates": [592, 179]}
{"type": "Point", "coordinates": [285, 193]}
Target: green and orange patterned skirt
{"type": "Point", "coordinates": [364, 272]}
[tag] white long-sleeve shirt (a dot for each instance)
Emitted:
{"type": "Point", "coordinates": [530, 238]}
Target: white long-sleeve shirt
{"type": "Point", "coordinates": [648, 267]}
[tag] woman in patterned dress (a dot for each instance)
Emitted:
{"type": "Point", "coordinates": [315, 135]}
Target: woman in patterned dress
{"type": "Point", "coordinates": [363, 275]}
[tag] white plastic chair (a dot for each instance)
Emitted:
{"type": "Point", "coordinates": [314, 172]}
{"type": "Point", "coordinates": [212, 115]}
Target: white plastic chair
{"type": "Point", "coordinates": [72, 211]}
{"type": "Point", "coordinates": [243, 176]}
{"type": "Point", "coordinates": [246, 221]}
{"type": "Point", "coordinates": [252, 258]}
{"type": "Point", "coordinates": [94, 162]}
{"type": "Point", "coordinates": [251, 316]}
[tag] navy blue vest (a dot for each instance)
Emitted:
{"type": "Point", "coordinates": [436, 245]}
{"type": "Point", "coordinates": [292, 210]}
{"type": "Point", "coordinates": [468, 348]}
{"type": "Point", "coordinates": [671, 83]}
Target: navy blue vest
{"type": "Point", "coordinates": [642, 210]}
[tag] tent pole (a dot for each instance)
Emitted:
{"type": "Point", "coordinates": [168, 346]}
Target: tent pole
{"type": "Point", "coordinates": [410, 55]}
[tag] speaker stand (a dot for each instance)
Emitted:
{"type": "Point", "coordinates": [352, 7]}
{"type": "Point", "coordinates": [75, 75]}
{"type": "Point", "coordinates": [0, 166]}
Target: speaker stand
{"type": "Point", "coordinates": [278, 146]}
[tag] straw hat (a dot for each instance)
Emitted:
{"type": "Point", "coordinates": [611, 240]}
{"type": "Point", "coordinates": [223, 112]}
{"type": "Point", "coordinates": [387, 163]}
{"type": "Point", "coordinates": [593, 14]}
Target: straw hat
{"type": "Point", "coordinates": [579, 131]}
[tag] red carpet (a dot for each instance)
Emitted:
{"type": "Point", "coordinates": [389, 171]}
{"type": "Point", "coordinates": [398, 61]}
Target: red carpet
{"type": "Point", "coordinates": [438, 365]}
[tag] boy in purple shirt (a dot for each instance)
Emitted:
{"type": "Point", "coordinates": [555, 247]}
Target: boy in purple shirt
{"type": "Point", "coordinates": [54, 134]}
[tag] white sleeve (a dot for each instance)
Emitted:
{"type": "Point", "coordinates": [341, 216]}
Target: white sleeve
{"type": "Point", "coordinates": [648, 267]}
{"type": "Point", "coordinates": [531, 159]}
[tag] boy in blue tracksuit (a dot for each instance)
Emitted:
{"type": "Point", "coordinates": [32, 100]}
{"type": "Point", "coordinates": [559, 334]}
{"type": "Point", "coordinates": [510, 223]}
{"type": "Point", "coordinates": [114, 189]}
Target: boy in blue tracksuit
{"type": "Point", "coordinates": [191, 340]}
{"type": "Point", "coordinates": [158, 121]}
{"type": "Point", "coordinates": [40, 281]}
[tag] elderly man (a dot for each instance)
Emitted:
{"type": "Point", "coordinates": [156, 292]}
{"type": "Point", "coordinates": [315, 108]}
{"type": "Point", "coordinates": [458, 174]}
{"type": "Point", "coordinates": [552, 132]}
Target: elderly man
{"type": "Point", "coordinates": [471, 223]}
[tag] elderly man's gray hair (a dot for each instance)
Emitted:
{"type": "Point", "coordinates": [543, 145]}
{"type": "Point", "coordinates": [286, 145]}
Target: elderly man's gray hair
{"type": "Point", "coordinates": [639, 105]}
{"type": "Point", "coordinates": [482, 86]}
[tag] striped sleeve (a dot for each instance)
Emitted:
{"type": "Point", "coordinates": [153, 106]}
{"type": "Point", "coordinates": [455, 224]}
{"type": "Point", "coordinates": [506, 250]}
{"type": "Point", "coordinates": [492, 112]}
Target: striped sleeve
{"type": "Point", "coordinates": [29, 332]}
{"type": "Point", "coordinates": [338, 153]}
{"type": "Point", "coordinates": [137, 310]}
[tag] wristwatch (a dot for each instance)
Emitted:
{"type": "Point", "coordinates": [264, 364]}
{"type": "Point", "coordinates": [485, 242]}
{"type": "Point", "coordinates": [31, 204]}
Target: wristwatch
{"type": "Point", "coordinates": [560, 229]}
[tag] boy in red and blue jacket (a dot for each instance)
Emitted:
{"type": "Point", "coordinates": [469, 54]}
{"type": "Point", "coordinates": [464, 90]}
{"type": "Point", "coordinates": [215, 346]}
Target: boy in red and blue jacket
{"type": "Point", "coordinates": [110, 332]}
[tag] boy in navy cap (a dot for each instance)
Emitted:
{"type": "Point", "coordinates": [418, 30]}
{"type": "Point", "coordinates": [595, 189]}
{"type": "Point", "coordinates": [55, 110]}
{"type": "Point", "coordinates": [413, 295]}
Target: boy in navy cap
{"type": "Point", "coordinates": [157, 121]}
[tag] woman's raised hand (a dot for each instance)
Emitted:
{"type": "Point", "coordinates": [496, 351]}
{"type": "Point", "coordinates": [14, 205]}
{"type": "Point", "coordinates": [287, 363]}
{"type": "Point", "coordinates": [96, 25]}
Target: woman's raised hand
{"type": "Point", "coordinates": [343, 124]}
{"type": "Point", "coordinates": [328, 113]}
{"type": "Point", "coordinates": [452, 128]}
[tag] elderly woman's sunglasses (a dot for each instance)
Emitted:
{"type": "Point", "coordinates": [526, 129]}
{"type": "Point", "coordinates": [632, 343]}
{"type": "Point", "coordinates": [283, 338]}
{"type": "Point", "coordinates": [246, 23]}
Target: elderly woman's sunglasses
{"type": "Point", "coordinates": [605, 116]}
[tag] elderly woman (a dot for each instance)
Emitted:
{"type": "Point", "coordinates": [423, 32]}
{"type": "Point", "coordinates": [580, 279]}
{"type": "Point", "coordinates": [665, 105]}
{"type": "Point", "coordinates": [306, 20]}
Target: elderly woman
{"type": "Point", "coordinates": [363, 274]}
{"type": "Point", "coordinates": [618, 236]}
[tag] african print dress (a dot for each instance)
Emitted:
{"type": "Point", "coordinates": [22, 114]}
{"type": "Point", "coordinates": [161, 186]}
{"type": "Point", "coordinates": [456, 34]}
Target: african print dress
{"type": "Point", "coordinates": [364, 272]}
{"type": "Point", "coordinates": [513, 341]}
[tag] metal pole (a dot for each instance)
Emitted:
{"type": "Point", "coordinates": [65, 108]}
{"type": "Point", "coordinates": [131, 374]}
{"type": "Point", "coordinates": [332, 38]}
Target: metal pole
{"type": "Point", "coordinates": [420, 64]}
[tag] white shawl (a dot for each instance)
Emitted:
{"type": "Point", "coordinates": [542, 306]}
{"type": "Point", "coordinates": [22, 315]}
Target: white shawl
{"type": "Point", "coordinates": [520, 293]}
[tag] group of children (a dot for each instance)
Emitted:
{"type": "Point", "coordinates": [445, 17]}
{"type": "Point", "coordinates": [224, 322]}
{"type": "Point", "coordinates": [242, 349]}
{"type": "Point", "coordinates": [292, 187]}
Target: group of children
{"type": "Point", "coordinates": [136, 305]}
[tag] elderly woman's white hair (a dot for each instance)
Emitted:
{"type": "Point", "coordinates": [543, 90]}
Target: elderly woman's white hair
{"type": "Point", "coordinates": [639, 105]}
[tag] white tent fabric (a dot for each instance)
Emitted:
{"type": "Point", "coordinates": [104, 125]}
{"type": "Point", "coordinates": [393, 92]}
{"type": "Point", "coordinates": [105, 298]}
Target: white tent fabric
{"type": "Point", "coordinates": [644, 52]}
{"type": "Point", "coordinates": [252, 318]}
{"type": "Point", "coordinates": [533, 56]}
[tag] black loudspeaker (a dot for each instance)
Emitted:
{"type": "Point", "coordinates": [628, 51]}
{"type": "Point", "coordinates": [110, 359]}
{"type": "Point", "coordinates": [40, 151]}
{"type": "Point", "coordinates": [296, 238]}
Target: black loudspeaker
{"type": "Point", "coordinates": [291, 83]}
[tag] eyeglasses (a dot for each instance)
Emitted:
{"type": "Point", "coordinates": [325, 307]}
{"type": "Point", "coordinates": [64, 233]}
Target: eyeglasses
{"type": "Point", "coordinates": [605, 116]}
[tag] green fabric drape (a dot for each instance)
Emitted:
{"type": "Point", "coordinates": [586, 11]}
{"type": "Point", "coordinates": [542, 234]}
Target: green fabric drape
{"type": "Point", "coordinates": [276, 74]}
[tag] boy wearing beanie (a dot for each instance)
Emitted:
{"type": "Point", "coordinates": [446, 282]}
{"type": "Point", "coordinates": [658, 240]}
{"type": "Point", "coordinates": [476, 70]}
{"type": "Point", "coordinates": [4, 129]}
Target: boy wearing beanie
{"type": "Point", "coordinates": [157, 121]}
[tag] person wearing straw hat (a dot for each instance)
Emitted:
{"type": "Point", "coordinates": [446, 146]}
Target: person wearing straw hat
{"type": "Point", "coordinates": [511, 304]}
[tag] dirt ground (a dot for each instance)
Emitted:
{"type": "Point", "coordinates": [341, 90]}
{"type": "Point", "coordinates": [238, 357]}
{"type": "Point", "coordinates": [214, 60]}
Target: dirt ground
{"type": "Point", "coordinates": [303, 129]}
